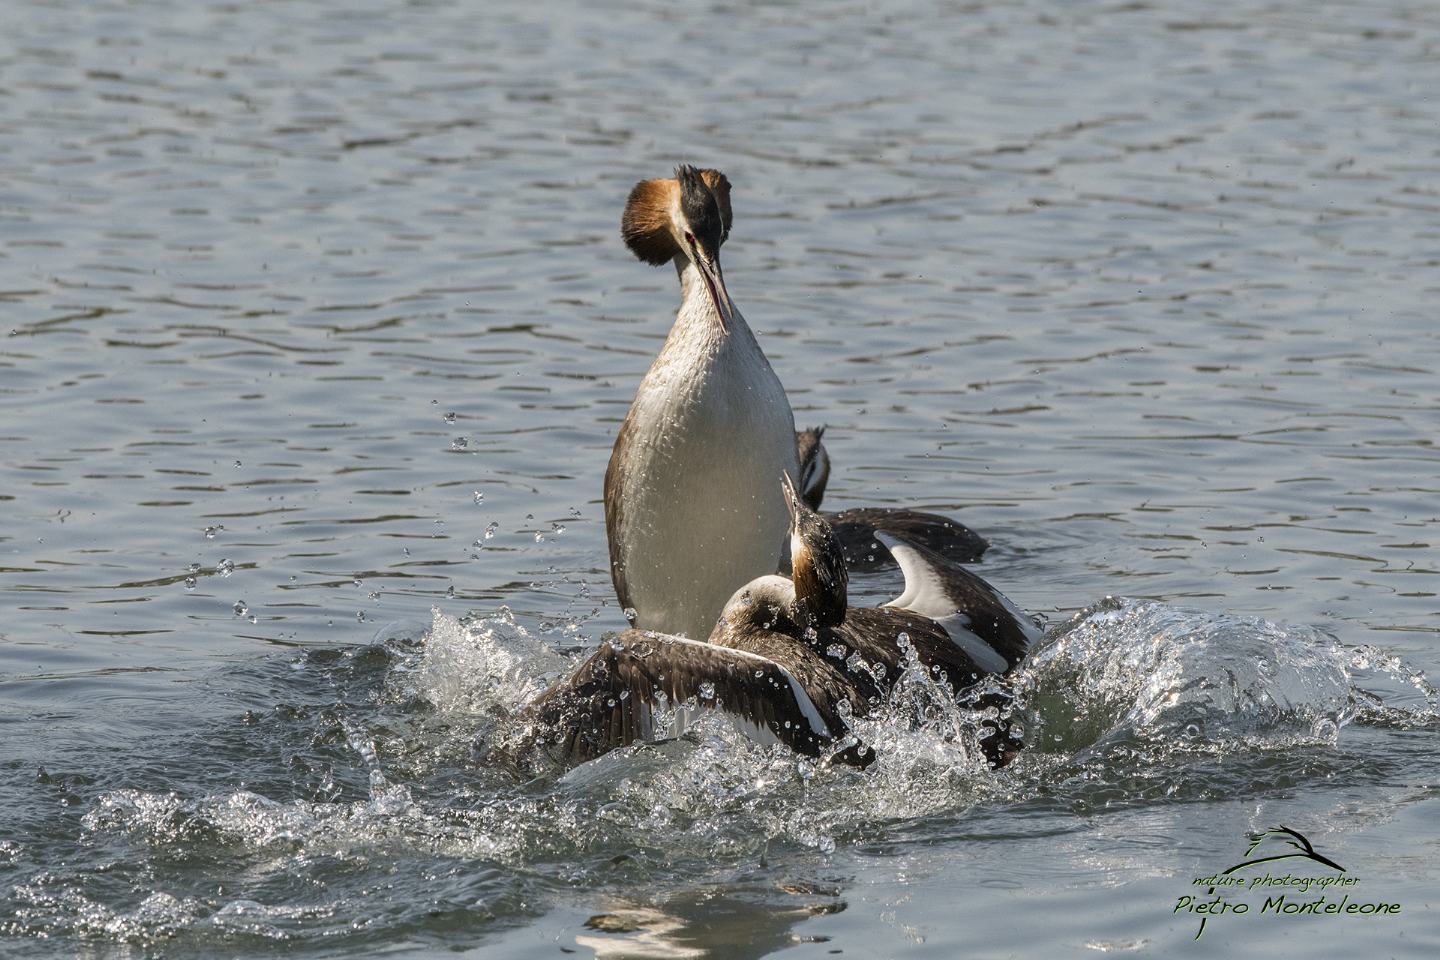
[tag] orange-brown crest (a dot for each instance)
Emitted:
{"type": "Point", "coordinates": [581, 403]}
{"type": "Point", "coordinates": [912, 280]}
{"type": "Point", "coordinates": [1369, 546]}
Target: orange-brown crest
{"type": "Point", "coordinates": [645, 225]}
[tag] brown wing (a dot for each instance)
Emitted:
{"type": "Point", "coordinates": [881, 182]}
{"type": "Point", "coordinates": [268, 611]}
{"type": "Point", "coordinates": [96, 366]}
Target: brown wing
{"type": "Point", "coordinates": [610, 700]}
{"type": "Point", "coordinates": [970, 610]}
{"type": "Point", "coordinates": [874, 633]}
{"type": "Point", "coordinates": [856, 529]}
{"type": "Point", "coordinates": [615, 514]}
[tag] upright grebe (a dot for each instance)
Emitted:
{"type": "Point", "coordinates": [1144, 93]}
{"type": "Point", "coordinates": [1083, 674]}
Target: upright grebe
{"type": "Point", "coordinates": [857, 528]}
{"type": "Point", "coordinates": [790, 660]}
{"type": "Point", "coordinates": [691, 506]}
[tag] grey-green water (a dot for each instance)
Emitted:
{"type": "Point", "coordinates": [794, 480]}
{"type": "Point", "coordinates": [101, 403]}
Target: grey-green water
{"type": "Point", "coordinates": [317, 318]}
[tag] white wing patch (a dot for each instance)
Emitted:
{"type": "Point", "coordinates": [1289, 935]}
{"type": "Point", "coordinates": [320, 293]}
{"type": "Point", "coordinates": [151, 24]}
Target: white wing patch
{"type": "Point", "coordinates": [802, 699]}
{"type": "Point", "coordinates": [957, 626]}
{"type": "Point", "coordinates": [807, 706]}
{"type": "Point", "coordinates": [926, 595]}
{"type": "Point", "coordinates": [925, 592]}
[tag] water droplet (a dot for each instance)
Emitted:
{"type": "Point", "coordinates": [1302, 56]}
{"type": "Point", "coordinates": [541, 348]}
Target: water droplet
{"type": "Point", "coordinates": [630, 614]}
{"type": "Point", "coordinates": [575, 512]}
{"type": "Point", "coordinates": [557, 528]}
{"type": "Point", "coordinates": [450, 592]}
{"type": "Point", "coordinates": [194, 568]}
{"type": "Point", "coordinates": [240, 608]}
{"type": "Point", "coordinates": [539, 537]}
{"type": "Point", "coordinates": [225, 567]}
{"type": "Point", "coordinates": [211, 532]}
{"type": "Point", "coordinates": [358, 581]}
{"type": "Point", "coordinates": [903, 641]}
{"type": "Point", "coordinates": [479, 498]}
{"type": "Point", "coordinates": [406, 550]}
{"type": "Point", "coordinates": [359, 616]}
{"type": "Point", "coordinates": [707, 691]}
{"type": "Point", "coordinates": [189, 583]}
{"type": "Point", "coordinates": [836, 650]}
{"type": "Point", "coordinates": [237, 463]}
{"type": "Point", "coordinates": [450, 417]}
{"type": "Point", "coordinates": [459, 443]}
{"type": "Point", "coordinates": [491, 528]}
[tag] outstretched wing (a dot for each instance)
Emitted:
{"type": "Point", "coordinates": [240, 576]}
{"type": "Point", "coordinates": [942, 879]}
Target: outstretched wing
{"type": "Point", "coordinates": [858, 531]}
{"type": "Point", "coordinates": [612, 699]}
{"type": "Point", "coordinates": [977, 616]}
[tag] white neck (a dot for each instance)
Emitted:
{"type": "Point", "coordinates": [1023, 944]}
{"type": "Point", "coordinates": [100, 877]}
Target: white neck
{"type": "Point", "coordinates": [692, 285]}
{"type": "Point", "coordinates": [697, 310]}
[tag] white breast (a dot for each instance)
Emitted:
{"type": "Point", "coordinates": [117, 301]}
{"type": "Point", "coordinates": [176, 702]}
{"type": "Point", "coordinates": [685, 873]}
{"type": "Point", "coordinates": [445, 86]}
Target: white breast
{"type": "Point", "coordinates": [710, 432]}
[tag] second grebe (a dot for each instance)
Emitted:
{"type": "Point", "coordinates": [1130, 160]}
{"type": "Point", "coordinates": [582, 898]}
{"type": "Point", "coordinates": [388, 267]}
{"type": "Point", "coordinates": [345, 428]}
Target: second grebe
{"type": "Point", "coordinates": [790, 660]}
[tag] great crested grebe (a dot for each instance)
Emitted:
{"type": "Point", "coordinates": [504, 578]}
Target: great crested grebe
{"type": "Point", "coordinates": [789, 659]}
{"type": "Point", "coordinates": [857, 528]}
{"type": "Point", "coordinates": [691, 507]}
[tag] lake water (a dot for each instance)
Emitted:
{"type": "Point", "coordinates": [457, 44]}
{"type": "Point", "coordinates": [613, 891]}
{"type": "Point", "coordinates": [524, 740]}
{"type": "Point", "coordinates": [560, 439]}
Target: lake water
{"type": "Point", "coordinates": [316, 319]}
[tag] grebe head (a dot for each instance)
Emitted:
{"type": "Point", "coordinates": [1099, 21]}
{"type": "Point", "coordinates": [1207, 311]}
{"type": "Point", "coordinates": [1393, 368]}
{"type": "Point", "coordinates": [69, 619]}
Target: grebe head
{"type": "Point", "coordinates": [817, 563]}
{"type": "Point", "coordinates": [687, 217]}
{"type": "Point", "coordinates": [814, 466]}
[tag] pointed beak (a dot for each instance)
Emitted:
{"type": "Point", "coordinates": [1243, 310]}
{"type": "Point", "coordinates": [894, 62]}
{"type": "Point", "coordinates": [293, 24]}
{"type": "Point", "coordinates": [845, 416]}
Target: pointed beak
{"type": "Point", "coordinates": [714, 282]}
{"type": "Point", "coordinates": [792, 499]}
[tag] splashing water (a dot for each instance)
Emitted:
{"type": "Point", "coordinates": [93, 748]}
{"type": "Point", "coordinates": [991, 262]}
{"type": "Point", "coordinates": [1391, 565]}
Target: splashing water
{"type": "Point", "coordinates": [1146, 670]}
{"type": "Point", "coordinates": [471, 667]}
{"type": "Point", "coordinates": [366, 752]}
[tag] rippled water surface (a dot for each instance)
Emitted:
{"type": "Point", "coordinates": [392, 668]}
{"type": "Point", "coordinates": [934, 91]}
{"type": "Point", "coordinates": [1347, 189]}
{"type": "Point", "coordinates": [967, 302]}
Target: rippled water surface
{"type": "Point", "coordinates": [316, 320]}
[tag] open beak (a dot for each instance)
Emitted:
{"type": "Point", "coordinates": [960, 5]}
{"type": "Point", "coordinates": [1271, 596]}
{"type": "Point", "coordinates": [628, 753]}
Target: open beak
{"type": "Point", "coordinates": [715, 283]}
